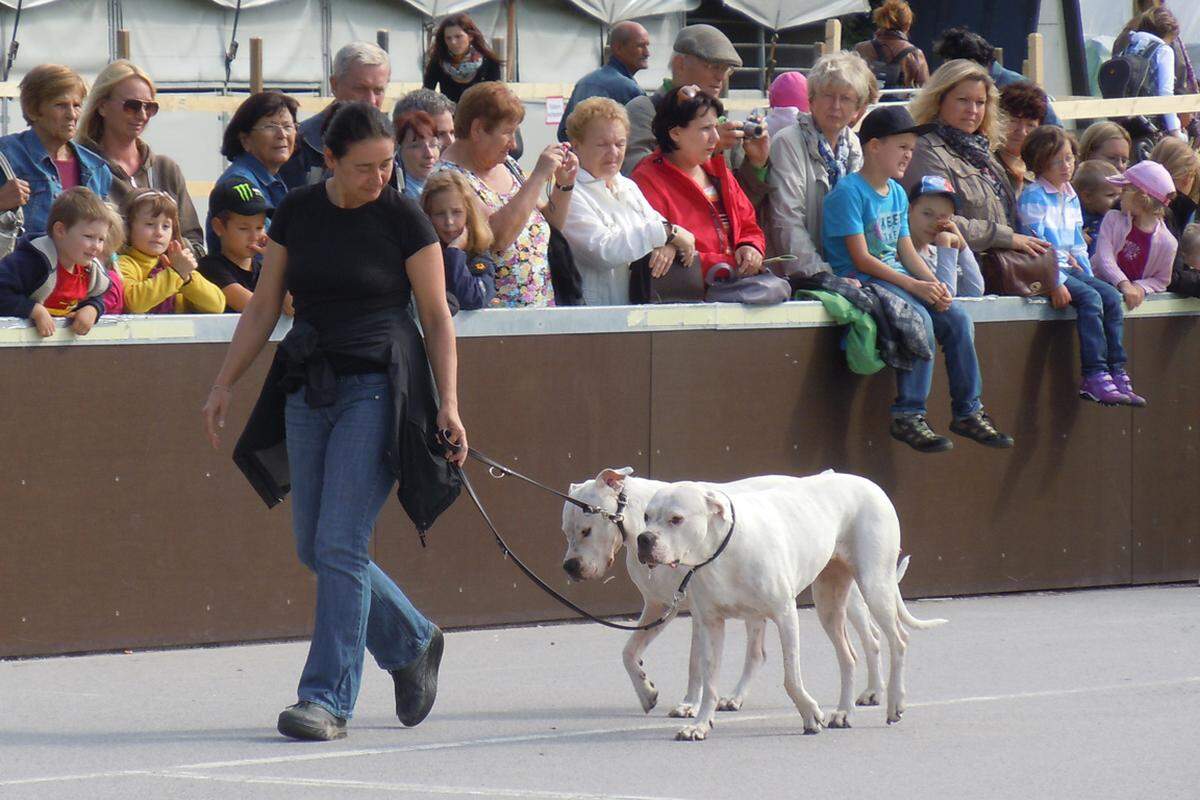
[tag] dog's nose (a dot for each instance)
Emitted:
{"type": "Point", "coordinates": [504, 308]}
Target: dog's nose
{"type": "Point", "coordinates": [645, 541]}
{"type": "Point", "coordinates": [572, 567]}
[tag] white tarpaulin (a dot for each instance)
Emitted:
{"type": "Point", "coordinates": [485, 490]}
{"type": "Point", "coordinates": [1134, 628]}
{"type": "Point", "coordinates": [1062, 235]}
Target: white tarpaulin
{"type": "Point", "coordinates": [1106, 18]}
{"type": "Point", "coordinates": [611, 11]}
{"type": "Point", "coordinates": [440, 8]}
{"type": "Point", "coordinates": [777, 15]}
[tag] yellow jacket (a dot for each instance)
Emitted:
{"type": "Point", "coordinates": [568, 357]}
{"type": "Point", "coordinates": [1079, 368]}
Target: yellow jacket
{"type": "Point", "coordinates": [144, 292]}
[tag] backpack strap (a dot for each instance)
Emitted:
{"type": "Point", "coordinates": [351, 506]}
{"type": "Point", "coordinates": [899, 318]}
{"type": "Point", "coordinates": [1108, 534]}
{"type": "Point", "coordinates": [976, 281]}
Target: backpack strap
{"type": "Point", "coordinates": [901, 55]}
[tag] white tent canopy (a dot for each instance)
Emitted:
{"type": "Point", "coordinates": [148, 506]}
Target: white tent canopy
{"type": "Point", "coordinates": [777, 15]}
{"type": "Point", "coordinates": [612, 11]}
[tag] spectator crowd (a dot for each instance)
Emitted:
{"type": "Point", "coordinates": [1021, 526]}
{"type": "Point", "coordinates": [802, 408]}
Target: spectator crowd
{"type": "Point", "coordinates": [887, 214]}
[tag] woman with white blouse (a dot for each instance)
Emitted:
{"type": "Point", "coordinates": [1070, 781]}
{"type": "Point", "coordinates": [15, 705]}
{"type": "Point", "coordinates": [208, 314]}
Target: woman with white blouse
{"type": "Point", "coordinates": [609, 223]}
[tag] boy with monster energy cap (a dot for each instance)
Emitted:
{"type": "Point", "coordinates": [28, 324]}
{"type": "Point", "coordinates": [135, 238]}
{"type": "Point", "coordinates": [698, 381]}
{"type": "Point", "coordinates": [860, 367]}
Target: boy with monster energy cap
{"type": "Point", "coordinates": [239, 218]}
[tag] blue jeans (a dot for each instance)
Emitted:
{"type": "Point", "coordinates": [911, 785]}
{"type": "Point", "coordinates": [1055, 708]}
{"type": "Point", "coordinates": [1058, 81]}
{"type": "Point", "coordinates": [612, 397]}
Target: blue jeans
{"type": "Point", "coordinates": [955, 331]}
{"type": "Point", "coordinates": [340, 481]}
{"type": "Point", "coordinates": [1099, 319]}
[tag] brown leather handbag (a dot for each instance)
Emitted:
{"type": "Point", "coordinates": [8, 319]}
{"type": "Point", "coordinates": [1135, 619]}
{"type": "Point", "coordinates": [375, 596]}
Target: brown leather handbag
{"type": "Point", "coordinates": [1012, 272]}
{"type": "Point", "coordinates": [681, 284]}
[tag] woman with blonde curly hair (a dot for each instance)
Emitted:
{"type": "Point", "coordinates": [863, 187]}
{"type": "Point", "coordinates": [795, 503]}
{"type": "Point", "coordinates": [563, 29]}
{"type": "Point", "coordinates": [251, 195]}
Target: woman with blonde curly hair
{"type": "Point", "coordinates": [961, 99]}
{"type": "Point", "coordinates": [118, 109]}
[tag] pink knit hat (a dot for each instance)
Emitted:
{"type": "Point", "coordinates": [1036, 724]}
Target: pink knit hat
{"type": "Point", "coordinates": [1149, 176]}
{"type": "Point", "coordinates": [789, 89]}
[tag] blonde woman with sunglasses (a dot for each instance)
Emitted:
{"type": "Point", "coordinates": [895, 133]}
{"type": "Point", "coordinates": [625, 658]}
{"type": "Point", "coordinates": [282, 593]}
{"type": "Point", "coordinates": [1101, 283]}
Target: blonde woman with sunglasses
{"type": "Point", "coordinates": [118, 109]}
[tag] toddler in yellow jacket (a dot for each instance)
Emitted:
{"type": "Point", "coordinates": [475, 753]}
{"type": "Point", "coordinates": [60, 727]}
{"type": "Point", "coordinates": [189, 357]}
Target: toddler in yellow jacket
{"type": "Point", "coordinates": [158, 270]}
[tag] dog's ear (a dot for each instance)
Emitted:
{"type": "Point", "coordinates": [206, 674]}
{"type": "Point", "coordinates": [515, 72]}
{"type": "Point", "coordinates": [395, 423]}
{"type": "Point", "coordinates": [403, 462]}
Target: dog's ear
{"type": "Point", "coordinates": [614, 478]}
{"type": "Point", "coordinates": [716, 506]}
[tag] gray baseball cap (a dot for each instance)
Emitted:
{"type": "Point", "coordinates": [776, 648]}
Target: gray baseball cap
{"type": "Point", "coordinates": [707, 43]}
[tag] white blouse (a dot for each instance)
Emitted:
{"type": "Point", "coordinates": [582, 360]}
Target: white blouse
{"type": "Point", "coordinates": [608, 229]}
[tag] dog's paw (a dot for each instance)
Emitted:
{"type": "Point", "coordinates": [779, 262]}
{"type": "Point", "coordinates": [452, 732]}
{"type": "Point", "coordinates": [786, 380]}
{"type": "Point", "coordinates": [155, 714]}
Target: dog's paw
{"type": "Point", "coordinates": [729, 704]}
{"type": "Point", "coordinates": [693, 733]}
{"type": "Point", "coordinates": [869, 697]}
{"type": "Point", "coordinates": [894, 715]}
{"type": "Point", "coordinates": [647, 696]}
{"type": "Point", "coordinates": [838, 719]}
{"type": "Point", "coordinates": [682, 711]}
{"type": "Point", "coordinates": [813, 723]}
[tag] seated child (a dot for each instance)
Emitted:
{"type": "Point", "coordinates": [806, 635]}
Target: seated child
{"type": "Point", "coordinates": [60, 274]}
{"type": "Point", "coordinates": [158, 269]}
{"type": "Point", "coordinates": [866, 235]}
{"type": "Point", "coordinates": [238, 212]}
{"type": "Point", "coordinates": [114, 298]}
{"type": "Point", "coordinates": [1134, 250]}
{"type": "Point", "coordinates": [788, 97]}
{"type": "Point", "coordinates": [1096, 196]}
{"type": "Point", "coordinates": [1186, 278]}
{"type": "Point", "coordinates": [932, 206]}
{"type": "Point", "coordinates": [462, 227]}
{"type": "Point", "coordinates": [1049, 209]}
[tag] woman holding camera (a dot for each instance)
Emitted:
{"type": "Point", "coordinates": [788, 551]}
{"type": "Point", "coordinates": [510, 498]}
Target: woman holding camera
{"type": "Point", "coordinates": [485, 127]}
{"type": "Point", "coordinates": [609, 223]}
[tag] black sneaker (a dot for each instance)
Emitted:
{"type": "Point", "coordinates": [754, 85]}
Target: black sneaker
{"type": "Point", "coordinates": [416, 683]}
{"type": "Point", "coordinates": [979, 427]}
{"type": "Point", "coordinates": [914, 431]}
{"type": "Point", "coordinates": [309, 721]}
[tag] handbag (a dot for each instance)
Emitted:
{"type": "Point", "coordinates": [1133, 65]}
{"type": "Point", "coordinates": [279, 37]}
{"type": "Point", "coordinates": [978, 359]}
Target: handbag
{"type": "Point", "coordinates": [681, 284]}
{"type": "Point", "coordinates": [1012, 272]}
{"type": "Point", "coordinates": [762, 289]}
{"type": "Point", "coordinates": [12, 223]}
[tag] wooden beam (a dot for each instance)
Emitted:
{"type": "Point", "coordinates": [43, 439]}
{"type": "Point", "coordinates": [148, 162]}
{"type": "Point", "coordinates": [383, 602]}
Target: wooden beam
{"type": "Point", "coordinates": [123, 48]}
{"type": "Point", "coordinates": [1036, 65]}
{"type": "Point", "coordinates": [510, 66]}
{"type": "Point", "coordinates": [256, 64]}
{"type": "Point", "coordinates": [833, 36]}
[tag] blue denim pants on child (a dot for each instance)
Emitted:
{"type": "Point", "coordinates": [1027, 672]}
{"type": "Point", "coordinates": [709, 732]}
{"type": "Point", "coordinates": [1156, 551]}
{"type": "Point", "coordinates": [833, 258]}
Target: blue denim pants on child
{"type": "Point", "coordinates": [954, 330]}
{"type": "Point", "coordinates": [340, 481]}
{"type": "Point", "coordinates": [1099, 319]}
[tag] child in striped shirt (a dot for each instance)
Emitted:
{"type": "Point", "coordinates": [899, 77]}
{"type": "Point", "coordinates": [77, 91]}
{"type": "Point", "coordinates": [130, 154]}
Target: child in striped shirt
{"type": "Point", "coordinates": [1049, 209]}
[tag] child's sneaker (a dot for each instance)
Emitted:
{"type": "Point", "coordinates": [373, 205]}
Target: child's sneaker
{"type": "Point", "coordinates": [1125, 386]}
{"type": "Point", "coordinates": [1100, 388]}
{"type": "Point", "coordinates": [980, 428]}
{"type": "Point", "coordinates": [914, 431]}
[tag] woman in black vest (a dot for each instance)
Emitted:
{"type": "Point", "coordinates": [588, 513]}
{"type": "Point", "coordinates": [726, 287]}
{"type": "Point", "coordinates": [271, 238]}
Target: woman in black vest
{"type": "Point", "coordinates": [348, 409]}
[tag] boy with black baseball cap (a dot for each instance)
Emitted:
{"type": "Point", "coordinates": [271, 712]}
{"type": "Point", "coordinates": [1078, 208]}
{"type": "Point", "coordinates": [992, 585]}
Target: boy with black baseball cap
{"type": "Point", "coordinates": [239, 214]}
{"type": "Point", "coordinates": [866, 235]}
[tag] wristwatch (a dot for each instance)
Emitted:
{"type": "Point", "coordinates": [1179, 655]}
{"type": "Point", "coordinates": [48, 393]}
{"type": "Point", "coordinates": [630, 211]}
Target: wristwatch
{"type": "Point", "coordinates": [671, 232]}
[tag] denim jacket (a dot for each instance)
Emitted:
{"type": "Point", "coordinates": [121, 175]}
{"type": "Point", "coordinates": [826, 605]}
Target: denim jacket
{"type": "Point", "coordinates": [255, 172]}
{"type": "Point", "coordinates": [31, 163]}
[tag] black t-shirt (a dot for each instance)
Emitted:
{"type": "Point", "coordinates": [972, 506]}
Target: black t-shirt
{"type": "Point", "coordinates": [222, 272]}
{"type": "Point", "coordinates": [348, 260]}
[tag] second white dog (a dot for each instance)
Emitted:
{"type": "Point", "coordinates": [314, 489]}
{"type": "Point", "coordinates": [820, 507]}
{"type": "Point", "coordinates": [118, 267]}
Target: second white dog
{"type": "Point", "coordinates": [829, 531]}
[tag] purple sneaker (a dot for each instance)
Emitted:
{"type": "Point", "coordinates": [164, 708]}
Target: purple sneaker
{"type": "Point", "coordinates": [1125, 386]}
{"type": "Point", "coordinates": [1100, 388]}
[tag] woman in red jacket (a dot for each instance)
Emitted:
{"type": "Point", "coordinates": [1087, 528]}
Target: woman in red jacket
{"type": "Point", "coordinates": [690, 184]}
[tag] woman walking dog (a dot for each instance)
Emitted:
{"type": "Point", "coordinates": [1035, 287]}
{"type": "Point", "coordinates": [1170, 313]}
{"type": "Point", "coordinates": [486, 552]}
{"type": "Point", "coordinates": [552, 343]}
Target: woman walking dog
{"type": "Point", "coordinates": [348, 409]}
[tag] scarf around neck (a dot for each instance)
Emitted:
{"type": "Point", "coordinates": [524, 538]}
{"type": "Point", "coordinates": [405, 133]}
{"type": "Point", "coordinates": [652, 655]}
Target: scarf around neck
{"type": "Point", "coordinates": [837, 162]}
{"type": "Point", "coordinates": [464, 71]}
{"type": "Point", "coordinates": [975, 149]}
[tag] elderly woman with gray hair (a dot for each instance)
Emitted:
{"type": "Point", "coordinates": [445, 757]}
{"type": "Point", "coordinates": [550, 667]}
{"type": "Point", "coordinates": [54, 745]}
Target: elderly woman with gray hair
{"type": "Point", "coordinates": [361, 72]}
{"type": "Point", "coordinates": [809, 158]}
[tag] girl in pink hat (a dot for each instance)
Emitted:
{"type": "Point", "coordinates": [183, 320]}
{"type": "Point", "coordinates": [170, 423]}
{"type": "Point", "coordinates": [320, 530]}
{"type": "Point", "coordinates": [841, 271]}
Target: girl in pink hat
{"type": "Point", "coordinates": [788, 97]}
{"type": "Point", "coordinates": [1134, 250]}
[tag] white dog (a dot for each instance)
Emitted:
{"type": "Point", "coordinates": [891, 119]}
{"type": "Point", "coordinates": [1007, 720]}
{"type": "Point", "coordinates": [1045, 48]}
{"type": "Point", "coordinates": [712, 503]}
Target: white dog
{"type": "Point", "coordinates": [592, 546]}
{"type": "Point", "coordinates": [829, 531]}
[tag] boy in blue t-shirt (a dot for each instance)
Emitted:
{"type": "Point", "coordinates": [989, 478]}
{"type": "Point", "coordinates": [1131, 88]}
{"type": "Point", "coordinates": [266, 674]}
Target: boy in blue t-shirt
{"type": "Point", "coordinates": [865, 233]}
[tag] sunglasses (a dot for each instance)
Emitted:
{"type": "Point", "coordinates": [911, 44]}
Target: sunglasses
{"type": "Point", "coordinates": [138, 106]}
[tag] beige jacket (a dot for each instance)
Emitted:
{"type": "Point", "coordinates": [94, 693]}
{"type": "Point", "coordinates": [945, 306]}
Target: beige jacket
{"type": "Point", "coordinates": [987, 218]}
{"type": "Point", "coordinates": [797, 185]}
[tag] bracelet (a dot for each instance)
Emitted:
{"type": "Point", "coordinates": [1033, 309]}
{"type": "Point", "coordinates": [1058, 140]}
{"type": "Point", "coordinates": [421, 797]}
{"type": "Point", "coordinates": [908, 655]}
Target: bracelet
{"type": "Point", "coordinates": [562, 188]}
{"type": "Point", "coordinates": [223, 388]}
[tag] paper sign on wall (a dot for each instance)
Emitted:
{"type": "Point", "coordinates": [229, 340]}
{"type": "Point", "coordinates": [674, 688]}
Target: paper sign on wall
{"type": "Point", "coordinates": [554, 110]}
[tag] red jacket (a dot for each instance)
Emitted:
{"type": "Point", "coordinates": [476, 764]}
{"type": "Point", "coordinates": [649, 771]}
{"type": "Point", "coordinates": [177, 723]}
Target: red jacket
{"type": "Point", "coordinates": [678, 198]}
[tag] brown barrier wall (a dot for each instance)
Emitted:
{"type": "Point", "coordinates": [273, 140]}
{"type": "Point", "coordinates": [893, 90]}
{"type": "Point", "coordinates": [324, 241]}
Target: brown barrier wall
{"type": "Point", "coordinates": [121, 529]}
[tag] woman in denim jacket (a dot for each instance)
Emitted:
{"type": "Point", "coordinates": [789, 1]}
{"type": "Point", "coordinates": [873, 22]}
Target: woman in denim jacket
{"type": "Point", "coordinates": [43, 157]}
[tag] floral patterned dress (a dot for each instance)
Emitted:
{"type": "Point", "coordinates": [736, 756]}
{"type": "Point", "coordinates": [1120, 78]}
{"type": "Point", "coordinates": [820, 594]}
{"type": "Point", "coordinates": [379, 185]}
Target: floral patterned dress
{"type": "Point", "coordinates": [522, 268]}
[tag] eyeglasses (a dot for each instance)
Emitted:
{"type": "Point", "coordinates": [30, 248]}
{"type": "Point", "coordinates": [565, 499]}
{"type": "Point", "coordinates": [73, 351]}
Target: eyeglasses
{"type": "Point", "coordinates": [138, 106]}
{"type": "Point", "coordinates": [275, 129]}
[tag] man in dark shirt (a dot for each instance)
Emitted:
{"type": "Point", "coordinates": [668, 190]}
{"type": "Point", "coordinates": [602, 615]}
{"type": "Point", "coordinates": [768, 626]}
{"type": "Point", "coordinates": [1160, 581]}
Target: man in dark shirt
{"type": "Point", "coordinates": [630, 46]}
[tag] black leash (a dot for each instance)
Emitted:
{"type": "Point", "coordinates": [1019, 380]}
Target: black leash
{"type": "Point", "coordinates": [495, 467]}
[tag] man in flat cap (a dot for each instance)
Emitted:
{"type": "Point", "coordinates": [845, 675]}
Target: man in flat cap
{"type": "Point", "coordinates": [703, 57]}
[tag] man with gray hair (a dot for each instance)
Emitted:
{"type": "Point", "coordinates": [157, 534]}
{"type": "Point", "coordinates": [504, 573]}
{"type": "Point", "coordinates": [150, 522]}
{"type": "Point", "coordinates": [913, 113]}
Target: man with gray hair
{"type": "Point", "coordinates": [361, 72]}
{"type": "Point", "coordinates": [629, 43]}
{"type": "Point", "coordinates": [704, 57]}
{"type": "Point", "coordinates": [439, 108]}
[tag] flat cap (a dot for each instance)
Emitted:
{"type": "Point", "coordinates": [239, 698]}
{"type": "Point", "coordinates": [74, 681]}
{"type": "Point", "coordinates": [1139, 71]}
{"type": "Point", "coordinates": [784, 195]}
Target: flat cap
{"type": "Point", "coordinates": [708, 43]}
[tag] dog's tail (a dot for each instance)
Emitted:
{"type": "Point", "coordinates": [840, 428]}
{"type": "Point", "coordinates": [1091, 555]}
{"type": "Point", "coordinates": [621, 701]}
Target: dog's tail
{"type": "Point", "coordinates": [902, 610]}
